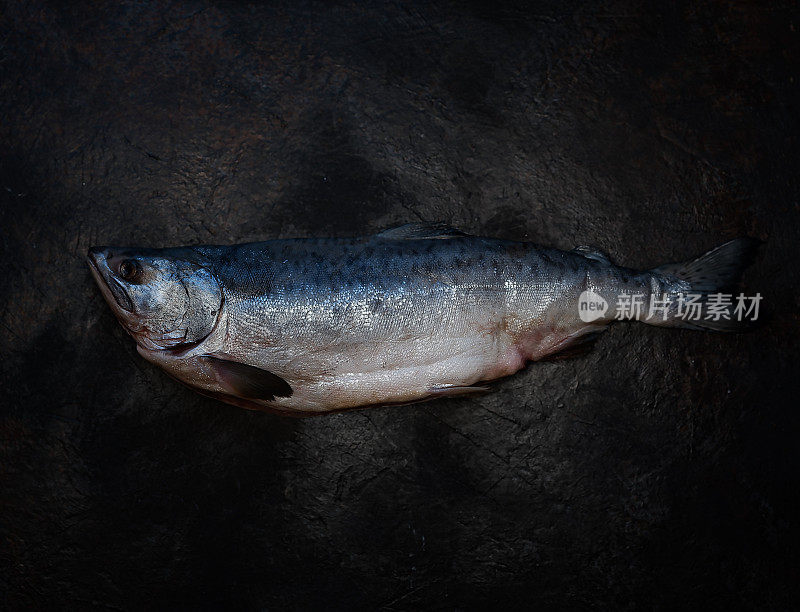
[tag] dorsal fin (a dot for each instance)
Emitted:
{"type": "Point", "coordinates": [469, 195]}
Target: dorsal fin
{"type": "Point", "coordinates": [592, 253]}
{"type": "Point", "coordinates": [421, 231]}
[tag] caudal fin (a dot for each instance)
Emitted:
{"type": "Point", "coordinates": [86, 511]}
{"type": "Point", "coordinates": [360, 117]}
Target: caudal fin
{"type": "Point", "coordinates": [713, 273]}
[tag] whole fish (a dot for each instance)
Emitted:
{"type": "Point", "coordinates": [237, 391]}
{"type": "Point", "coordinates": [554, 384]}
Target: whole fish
{"type": "Point", "coordinates": [412, 313]}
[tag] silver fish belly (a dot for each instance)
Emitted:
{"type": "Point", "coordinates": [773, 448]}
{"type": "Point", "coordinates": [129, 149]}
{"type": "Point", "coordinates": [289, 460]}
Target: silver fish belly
{"type": "Point", "coordinates": [412, 313]}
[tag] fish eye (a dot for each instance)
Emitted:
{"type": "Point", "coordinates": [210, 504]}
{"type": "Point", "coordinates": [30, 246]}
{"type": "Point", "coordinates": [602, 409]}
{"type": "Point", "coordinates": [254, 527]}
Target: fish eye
{"type": "Point", "coordinates": [129, 270]}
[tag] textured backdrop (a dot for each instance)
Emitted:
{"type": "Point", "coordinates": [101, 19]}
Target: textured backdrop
{"type": "Point", "coordinates": [659, 470]}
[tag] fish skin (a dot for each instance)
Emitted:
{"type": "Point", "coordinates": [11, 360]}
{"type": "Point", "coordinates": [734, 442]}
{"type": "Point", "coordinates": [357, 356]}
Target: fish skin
{"type": "Point", "coordinates": [409, 314]}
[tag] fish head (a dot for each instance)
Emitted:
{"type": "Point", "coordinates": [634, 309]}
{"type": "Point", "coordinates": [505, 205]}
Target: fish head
{"type": "Point", "coordinates": [163, 300]}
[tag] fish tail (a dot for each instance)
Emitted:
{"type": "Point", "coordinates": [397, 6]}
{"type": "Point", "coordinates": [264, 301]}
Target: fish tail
{"type": "Point", "coordinates": [700, 292]}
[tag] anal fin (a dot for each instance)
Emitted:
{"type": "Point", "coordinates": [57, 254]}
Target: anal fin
{"type": "Point", "coordinates": [578, 347]}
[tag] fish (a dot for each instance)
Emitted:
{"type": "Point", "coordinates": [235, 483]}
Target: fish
{"type": "Point", "coordinates": [415, 312]}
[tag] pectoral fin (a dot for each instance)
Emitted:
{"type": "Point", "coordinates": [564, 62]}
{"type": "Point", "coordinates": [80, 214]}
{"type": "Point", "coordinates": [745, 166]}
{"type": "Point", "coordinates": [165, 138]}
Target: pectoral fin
{"type": "Point", "coordinates": [247, 381]}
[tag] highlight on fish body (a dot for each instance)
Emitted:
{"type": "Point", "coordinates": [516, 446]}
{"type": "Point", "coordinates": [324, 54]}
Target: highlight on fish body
{"type": "Point", "coordinates": [416, 312]}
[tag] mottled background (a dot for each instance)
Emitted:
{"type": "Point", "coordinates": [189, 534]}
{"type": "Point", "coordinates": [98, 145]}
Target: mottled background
{"type": "Point", "coordinates": [661, 470]}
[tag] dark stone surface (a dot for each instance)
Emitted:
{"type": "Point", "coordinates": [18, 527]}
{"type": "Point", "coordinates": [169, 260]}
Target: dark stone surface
{"type": "Point", "coordinates": [659, 471]}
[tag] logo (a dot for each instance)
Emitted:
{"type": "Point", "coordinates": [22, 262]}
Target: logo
{"type": "Point", "coordinates": [591, 306]}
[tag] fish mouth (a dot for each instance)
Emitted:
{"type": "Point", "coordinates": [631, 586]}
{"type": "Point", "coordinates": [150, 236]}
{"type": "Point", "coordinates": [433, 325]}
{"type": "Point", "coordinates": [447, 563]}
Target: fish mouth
{"type": "Point", "coordinates": [111, 288]}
